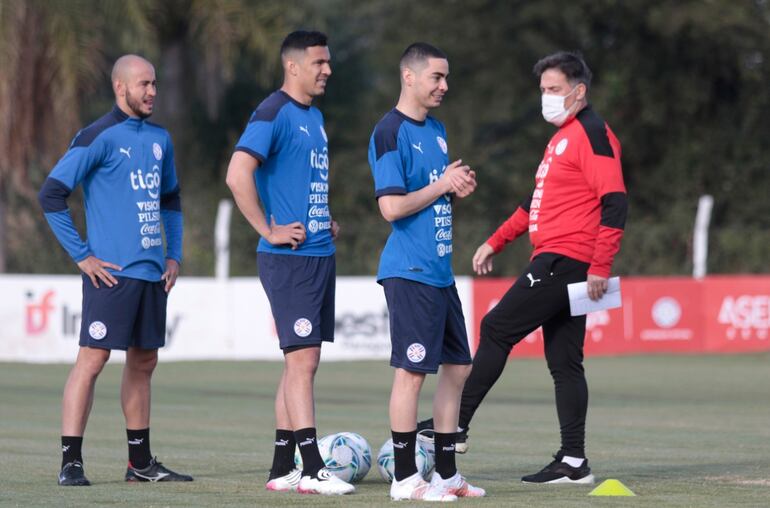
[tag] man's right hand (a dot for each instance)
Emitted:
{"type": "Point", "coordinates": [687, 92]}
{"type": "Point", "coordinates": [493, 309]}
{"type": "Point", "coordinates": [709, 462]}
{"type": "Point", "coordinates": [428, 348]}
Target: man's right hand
{"type": "Point", "coordinates": [292, 234]}
{"type": "Point", "coordinates": [459, 179]}
{"type": "Point", "coordinates": [95, 268]}
{"type": "Point", "coordinates": [482, 260]}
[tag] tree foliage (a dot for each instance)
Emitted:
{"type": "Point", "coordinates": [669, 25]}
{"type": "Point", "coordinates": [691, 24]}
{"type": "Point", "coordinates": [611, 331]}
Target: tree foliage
{"type": "Point", "coordinates": [682, 83]}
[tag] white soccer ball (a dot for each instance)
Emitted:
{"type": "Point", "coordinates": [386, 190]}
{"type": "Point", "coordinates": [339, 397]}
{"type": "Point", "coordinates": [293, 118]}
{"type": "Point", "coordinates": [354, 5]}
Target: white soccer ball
{"type": "Point", "coordinates": [346, 455]}
{"type": "Point", "coordinates": [386, 461]}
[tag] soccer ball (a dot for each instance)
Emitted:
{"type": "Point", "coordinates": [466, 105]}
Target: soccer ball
{"type": "Point", "coordinates": [364, 452]}
{"type": "Point", "coordinates": [346, 455]}
{"type": "Point", "coordinates": [386, 461]}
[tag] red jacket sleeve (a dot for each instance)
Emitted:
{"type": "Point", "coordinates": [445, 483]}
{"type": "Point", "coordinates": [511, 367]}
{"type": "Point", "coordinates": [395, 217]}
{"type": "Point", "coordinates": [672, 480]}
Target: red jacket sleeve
{"type": "Point", "coordinates": [601, 165]}
{"type": "Point", "coordinates": [516, 225]}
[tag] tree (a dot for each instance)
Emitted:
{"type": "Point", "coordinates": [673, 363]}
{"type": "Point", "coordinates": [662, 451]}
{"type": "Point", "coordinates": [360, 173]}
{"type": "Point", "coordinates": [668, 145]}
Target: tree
{"type": "Point", "coordinates": [49, 55]}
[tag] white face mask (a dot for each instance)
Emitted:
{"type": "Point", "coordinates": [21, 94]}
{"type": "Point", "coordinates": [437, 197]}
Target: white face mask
{"type": "Point", "coordinates": [553, 108]}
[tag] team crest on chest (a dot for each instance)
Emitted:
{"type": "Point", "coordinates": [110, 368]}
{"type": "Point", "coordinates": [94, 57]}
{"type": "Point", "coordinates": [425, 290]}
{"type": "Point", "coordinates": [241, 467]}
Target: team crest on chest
{"type": "Point", "coordinates": [157, 151]}
{"type": "Point", "coordinates": [561, 146]}
{"type": "Point", "coordinates": [323, 133]}
{"type": "Point", "coordinates": [441, 144]}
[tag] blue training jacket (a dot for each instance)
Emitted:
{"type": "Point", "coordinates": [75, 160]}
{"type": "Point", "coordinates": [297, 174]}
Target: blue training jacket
{"type": "Point", "coordinates": [126, 167]}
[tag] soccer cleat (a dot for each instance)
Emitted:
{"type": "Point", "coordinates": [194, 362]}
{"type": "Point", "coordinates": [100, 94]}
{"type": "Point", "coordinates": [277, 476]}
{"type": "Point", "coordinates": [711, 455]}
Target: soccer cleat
{"type": "Point", "coordinates": [561, 472]}
{"type": "Point", "coordinates": [285, 483]}
{"type": "Point", "coordinates": [416, 489]}
{"type": "Point", "coordinates": [425, 434]}
{"type": "Point", "coordinates": [73, 475]}
{"type": "Point", "coordinates": [456, 485]}
{"type": "Point", "coordinates": [324, 483]}
{"type": "Point", "coordinates": [155, 472]}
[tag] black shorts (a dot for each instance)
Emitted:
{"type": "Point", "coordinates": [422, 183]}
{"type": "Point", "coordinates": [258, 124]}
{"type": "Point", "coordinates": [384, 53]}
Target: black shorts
{"type": "Point", "coordinates": [301, 294]}
{"type": "Point", "coordinates": [132, 313]}
{"type": "Point", "coordinates": [427, 327]}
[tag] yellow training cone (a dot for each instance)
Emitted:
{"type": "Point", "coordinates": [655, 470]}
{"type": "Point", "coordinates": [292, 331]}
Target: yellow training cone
{"type": "Point", "coordinates": [611, 488]}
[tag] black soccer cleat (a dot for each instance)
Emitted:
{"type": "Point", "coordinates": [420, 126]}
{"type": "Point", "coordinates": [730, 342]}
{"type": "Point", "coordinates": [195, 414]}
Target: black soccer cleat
{"type": "Point", "coordinates": [425, 433]}
{"type": "Point", "coordinates": [73, 475]}
{"type": "Point", "coordinates": [155, 472]}
{"type": "Point", "coordinates": [561, 472]}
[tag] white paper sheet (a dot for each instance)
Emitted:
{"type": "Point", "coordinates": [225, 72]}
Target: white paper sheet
{"type": "Point", "coordinates": [580, 303]}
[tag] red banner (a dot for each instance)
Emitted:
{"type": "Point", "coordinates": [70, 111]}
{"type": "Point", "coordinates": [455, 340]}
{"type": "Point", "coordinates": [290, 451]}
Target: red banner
{"type": "Point", "coordinates": [661, 315]}
{"type": "Point", "coordinates": [737, 314]}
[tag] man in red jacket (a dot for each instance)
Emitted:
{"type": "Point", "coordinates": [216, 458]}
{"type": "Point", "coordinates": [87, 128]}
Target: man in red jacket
{"type": "Point", "coordinates": [575, 218]}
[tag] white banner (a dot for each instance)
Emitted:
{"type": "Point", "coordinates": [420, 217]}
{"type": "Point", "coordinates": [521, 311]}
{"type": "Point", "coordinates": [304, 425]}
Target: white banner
{"type": "Point", "coordinates": [207, 319]}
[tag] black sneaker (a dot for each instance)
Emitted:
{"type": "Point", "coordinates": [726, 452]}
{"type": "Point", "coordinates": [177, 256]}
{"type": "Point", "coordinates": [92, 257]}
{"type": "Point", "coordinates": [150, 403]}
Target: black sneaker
{"type": "Point", "coordinates": [561, 472]}
{"type": "Point", "coordinates": [155, 472]}
{"type": "Point", "coordinates": [425, 434]}
{"type": "Point", "coordinates": [73, 475]}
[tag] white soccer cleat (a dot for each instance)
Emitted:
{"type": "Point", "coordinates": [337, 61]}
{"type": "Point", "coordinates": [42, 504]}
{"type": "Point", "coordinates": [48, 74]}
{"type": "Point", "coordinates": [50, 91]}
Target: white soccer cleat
{"type": "Point", "coordinates": [416, 489]}
{"type": "Point", "coordinates": [324, 483]}
{"type": "Point", "coordinates": [456, 485]}
{"type": "Point", "coordinates": [285, 483]}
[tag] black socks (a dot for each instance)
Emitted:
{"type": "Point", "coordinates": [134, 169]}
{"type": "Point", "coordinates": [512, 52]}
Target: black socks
{"type": "Point", "coordinates": [139, 448]}
{"type": "Point", "coordinates": [308, 448]}
{"type": "Point", "coordinates": [71, 449]}
{"type": "Point", "coordinates": [403, 453]}
{"type": "Point", "coordinates": [283, 455]}
{"type": "Point", "coordinates": [445, 454]}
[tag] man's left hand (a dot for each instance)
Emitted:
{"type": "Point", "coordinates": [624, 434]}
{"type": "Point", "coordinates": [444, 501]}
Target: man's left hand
{"type": "Point", "coordinates": [335, 230]}
{"type": "Point", "coordinates": [597, 286]}
{"type": "Point", "coordinates": [171, 273]}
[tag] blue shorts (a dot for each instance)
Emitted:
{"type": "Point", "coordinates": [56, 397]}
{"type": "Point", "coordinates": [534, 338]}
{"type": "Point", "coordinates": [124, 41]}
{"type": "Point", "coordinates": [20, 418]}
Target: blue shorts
{"type": "Point", "coordinates": [427, 327]}
{"type": "Point", "coordinates": [129, 314]}
{"type": "Point", "coordinates": [301, 294]}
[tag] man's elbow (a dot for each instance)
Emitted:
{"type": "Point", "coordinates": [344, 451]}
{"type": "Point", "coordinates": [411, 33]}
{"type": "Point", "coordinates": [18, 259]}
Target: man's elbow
{"type": "Point", "coordinates": [231, 180]}
{"type": "Point", "coordinates": [387, 210]}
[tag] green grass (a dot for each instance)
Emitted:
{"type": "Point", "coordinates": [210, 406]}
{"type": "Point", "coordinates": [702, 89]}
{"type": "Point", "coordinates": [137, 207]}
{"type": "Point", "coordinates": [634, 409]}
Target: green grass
{"type": "Point", "coordinates": [678, 431]}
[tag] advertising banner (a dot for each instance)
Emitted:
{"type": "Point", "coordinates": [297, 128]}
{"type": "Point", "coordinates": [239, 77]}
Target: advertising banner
{"type": "Point", "coordinates": [232, 320]}
{"type": "Point", "coordinates": [718, 314]}
{"type": "Point", "coordinates": [207, 319]}
{"type": "Point", "coordinates": [737, 314]}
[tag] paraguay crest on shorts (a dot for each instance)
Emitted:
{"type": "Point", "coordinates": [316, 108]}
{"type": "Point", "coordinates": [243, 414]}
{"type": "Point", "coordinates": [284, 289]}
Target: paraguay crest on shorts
{"type": "Point", "coordinates": [415, 352]}
{"type": "Point", "coordinates": [97, 330]}
{"type": "Point", "coordinates": [303, 327]}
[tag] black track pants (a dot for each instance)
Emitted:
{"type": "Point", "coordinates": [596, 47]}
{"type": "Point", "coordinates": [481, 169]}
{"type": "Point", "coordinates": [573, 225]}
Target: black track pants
{"type": "Point", "coordinates": [538, 297]}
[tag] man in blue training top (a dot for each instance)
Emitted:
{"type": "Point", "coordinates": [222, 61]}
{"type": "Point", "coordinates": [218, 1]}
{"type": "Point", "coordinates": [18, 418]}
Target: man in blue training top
{"type": "Point", "coordinates": [282, 160]}
{"type": "Point", "coordinates": [126, 167]}
{"type": "Point", "coordinates": [414, 183]}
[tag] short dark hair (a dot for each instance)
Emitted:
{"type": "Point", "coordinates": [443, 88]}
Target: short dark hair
{"type": "Point", "coordinates": [418, 52]}
{"type": "Point", "coordinates": [570, 63]}
{"type": "Point", "coordinates": [303, 39]}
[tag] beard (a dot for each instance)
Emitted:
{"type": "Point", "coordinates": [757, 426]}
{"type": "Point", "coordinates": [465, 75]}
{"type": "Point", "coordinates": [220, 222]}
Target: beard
{"type": "Point", "coordinates": [136, 106]}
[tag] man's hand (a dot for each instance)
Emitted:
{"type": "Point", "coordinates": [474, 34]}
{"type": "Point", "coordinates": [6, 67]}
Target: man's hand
{"type": "Point", "coordinates": [459, 179]}
{"type": "Point", "coordinates": [292, 234]}
{"type": "Point", "coordinates": [171, 273]}
{"type": "Point", "coordinates": [482, 260]}
{"type": "Point", "coordinates": [335, 230]}
{"type": "Point", "coordinates": [465, 186]}
{"type": "Point", "coordinates": [597, 286]}
{"type": "Point", "coordinates": [95, 268]}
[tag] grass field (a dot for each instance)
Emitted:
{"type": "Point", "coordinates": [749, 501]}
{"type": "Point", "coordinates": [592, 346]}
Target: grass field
{"type": "Point", "coordinates": [679, 431]}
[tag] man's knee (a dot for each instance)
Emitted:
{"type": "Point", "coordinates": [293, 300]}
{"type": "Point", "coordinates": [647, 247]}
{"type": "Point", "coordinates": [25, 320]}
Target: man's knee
{"type": "Point", "coordinates": [563, 365]}
{"type": "Point", "coordinates": [493, 330]}
{"type": "Point", "coordinates": [303, 362]}
{"type": "Point", "coordinates": [142, 360]}
{"type": "Point", "coordinates": [409, 380]}
{"type": "Point", "coordinates": [457, 372]}
{"type": "Point", "coordinates": [91, 361]}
